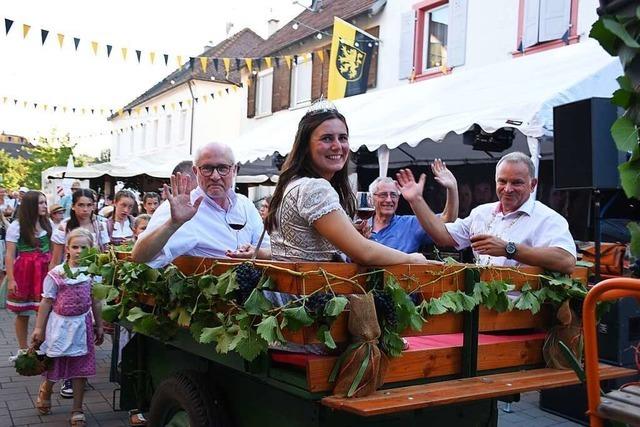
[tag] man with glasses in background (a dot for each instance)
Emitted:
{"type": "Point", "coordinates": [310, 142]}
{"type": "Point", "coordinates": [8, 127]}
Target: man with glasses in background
{"type": "Point", "coordinates": [404, 232]}
{"type": "Point", "coordinates": [209, 221]}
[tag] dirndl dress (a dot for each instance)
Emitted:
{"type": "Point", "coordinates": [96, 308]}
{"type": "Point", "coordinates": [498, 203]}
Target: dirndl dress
{"type": "Point", "coordinates": [29, 271]}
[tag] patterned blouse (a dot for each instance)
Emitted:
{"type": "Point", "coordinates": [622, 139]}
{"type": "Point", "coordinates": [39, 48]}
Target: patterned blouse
{"type": "Point", "coordinates": [295, 239]}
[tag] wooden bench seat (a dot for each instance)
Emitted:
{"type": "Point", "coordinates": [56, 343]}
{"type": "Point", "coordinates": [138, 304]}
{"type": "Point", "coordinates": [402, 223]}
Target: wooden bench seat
{"type": "Point", "coordinates": [463, 390]}
{"type": "Point", "coordinates": [622, 405]}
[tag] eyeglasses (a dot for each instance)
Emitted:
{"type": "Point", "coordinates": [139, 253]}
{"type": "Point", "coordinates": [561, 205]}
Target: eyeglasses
{"type": "Point", "coordinates": [207, 170]}
{"type": "Point", "coordinates": [394, 196]}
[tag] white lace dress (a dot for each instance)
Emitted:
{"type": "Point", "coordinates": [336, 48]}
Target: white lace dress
{"type": "Point", "coordinates": [305, 201]}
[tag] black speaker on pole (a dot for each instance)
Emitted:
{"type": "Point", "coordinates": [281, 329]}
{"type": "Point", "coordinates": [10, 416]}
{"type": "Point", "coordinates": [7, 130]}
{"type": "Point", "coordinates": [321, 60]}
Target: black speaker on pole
{"type": "Point", "coordinates": [585, 156]}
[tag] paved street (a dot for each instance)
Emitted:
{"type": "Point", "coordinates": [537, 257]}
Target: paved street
{"type": "Point", "coordinates": [18, 395]}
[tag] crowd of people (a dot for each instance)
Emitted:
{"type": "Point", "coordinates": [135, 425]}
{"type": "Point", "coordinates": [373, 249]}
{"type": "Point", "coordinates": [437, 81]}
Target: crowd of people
{"type": "Point", "coordinates": [311, 216]}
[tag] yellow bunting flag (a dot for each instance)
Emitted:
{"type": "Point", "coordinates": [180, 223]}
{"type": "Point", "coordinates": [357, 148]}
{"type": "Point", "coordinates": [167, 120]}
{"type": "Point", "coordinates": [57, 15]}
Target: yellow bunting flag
{"type": "Point", "coordinates": [25, 30]}
{"type": "Point", "coordinates": [227, 64]}
{"type": "Point", "coordinates": [102, 111]}
{"type": "Point", "coordinates": [267, 60]}
{"type": "Point", "coordinates": [44, 107]}
{"type": "Point", "coordinates": [155, 109]}
{"type": "Point", "coordinates": [203, 63]}
{"type": "Point", "coordinates": [94, 47]}
{"type": "Point", "coordinates": [288, 59]}
{"type": "Point", "coordinates": [83, 110]}
{"type": "Point", "coordinates": [351, 51]}
{"type": "Point", "coordinates": [204, 99]}
{"type": "Point", "coordinates": [4, 99]}
{"type": "Point", "coordinates": [179, 60]}
{"type": "Point", "coordinates": [219, 93]}
{"type": "Point", "coordinates": [235, 88]}
{"type": "Point", "coordinates": [173, 106]}
{"type": "Point", "coordinates": [64, 109]}
{"type": "Point", "coordinates": [24, 104]}
{"type": "Point", "coordinates": [120, 112]}
{"type": "Point", "coordinates": [152, 57]}
{"type": "Point", "coordinates": [60, 39]}
{"type": "Point", "coordinates": [320, 54]}
{"type": "Point", "coordinates": [189, 102]}
{"type": "Point", "coordinates": [249, 62]}
{"type": "Point", "coordinates": [137, 110]}
{"type": "Point", "coordinates": [124, 53]}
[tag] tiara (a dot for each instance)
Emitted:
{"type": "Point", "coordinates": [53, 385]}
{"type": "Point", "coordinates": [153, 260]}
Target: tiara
{"type": "Point", "coordinates": [322, 105]}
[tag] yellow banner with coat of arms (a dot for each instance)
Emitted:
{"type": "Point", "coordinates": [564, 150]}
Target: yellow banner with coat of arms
{"type": "Point", "coordinates": [351, 51]}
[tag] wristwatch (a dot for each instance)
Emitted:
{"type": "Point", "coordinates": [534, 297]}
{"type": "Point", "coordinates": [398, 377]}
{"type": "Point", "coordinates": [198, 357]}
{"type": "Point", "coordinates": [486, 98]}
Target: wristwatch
{"type": "Point", "coordinates": [511, 250]}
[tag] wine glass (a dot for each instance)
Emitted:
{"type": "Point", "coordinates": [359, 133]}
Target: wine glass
{"type": "Point", "coordinates": [236, 220]}
{"type": "Point", "coordinates": [364, 205]}
{"type": "Point", "coordinates": [478, 226]}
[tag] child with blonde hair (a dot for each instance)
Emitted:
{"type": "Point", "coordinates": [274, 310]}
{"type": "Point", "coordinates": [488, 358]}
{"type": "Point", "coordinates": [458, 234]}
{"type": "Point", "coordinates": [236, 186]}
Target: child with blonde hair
{"type": "Point", "coordinates": [64, 327]}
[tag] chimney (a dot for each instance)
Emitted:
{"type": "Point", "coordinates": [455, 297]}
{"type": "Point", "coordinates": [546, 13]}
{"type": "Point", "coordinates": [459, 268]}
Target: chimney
{"type": "Point", "coordinates": [272, 26]}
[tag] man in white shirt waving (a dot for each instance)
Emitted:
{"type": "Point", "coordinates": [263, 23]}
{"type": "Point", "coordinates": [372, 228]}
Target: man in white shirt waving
{"type": "Point", "coordinates": [514, 230]}
{"type": "Point", "coordinates": [210, 221]}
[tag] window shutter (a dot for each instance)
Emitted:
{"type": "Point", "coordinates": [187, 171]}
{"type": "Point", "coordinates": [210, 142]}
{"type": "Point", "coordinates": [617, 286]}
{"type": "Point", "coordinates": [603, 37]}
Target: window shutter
{"type": "Point", "coordinates": [316, 78]}
{"type": "Point", "coordinates": [407, 30]}
{"type": "Point", "coordinates": [457, 36]}
{"type": "Point", "coordinates": [372, 78]}
{"type": "Point", "coordinates": [251, 96]}
{"type": "Point", "coordinates": [555, 17]}
{"type": "Point", "coordinates": [531, 15]}
{"type": "Point", "coordinates": [281, 87]}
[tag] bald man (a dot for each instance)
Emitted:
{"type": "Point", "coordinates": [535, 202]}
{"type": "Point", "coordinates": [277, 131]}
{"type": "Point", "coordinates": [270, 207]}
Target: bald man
{"type": "Point", "coordinates": [209, 221]}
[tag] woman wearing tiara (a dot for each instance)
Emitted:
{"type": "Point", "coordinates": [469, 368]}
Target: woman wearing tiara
{"type": "Point", "coordinates": [309, 214]}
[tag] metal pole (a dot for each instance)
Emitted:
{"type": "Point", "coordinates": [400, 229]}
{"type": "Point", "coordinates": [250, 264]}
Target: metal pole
{"type": "Point", "coordinates": [596, 230]}
{"type": "Point", "coordinates": [193, 106]}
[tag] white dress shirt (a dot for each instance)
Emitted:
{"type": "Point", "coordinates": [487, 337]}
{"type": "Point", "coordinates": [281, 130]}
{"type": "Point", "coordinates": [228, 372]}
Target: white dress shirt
{"type": "Point", "coordinates": [208, 233]}
{"type": "Point", "coordinates": [533, 224]}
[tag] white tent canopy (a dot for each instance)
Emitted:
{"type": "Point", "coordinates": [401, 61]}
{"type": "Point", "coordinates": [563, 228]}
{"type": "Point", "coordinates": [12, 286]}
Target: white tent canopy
{"type": "Point", "coordinates": [518, 93]}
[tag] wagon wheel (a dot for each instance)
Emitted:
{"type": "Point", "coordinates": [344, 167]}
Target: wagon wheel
{"type": "Point", "coordinates": [185, 400]}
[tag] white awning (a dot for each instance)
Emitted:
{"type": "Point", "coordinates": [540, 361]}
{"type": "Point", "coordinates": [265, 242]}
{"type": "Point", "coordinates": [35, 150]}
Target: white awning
{"type": "Point", "coordinates": [518, 93]}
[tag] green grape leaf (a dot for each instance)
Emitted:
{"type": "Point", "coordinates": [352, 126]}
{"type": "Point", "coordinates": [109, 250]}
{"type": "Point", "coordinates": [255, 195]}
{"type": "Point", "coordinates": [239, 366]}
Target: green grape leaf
{"type": "Point", "coordinates": [528, 301]}
{"type": "Point", "coordinates": [184, 317]}
{"type": "Point", "coordinates": [251, 346]}
{"type": "Point", "coordinates": [335, 306]}
{"type": "Point", "coordinates": [110, 312]}
{"type": "Point", "coordinates": [266, 282]}
{"type": "Point", "coordinates": [392, 343]}
{"type": "Point", "coordinates": [136, 313]}
{"type": "Point", "coordinates": [324, 335]}
{"type": "Point", "coordinates": [605, 37]}
{"type": "Point", "coordinates": [100, 292]}
{"type": "Point", "coordinates": [634, 230]}
{"type": "Point", "coordinates": [468, 302]}
{"type": "Point", "coordinates": [269, 331]}
{"type": "Point", "coordinates": [448, 301]}
{"type": "Point", "coordinates": [196, 330]}
{"type": "Point", "coordinates": [625, 134]}
{"type": "Point", "coordinates": [68, 272]}
{"type": "Point", "coordinates": [480, 291]}
{"type": "Point", "coordinates": [619, 30]}
{"type": "Point", "coordinates": [436, 307]}
{"type": "Point", "coordinates": [295, 318]}
{"type": "Point", "coordinates": [209, 335]}
{"type": "Point", "coordinates": [257, 304]}
{"type": "Point", "coordinates": [147, 325]}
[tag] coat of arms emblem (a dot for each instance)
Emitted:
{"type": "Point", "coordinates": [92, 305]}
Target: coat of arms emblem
{"type": "Point", "coordinates": [350, 61]}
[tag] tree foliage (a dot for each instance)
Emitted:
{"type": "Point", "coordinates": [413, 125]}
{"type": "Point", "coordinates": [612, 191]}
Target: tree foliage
{"type": "Point", "coordinates": [13, 170]}
{"type": "Point", "coordinates": [44, 155]}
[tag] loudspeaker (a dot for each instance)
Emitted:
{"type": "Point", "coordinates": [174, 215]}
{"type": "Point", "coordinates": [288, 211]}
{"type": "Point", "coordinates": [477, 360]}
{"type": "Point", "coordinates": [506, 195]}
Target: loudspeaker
{"type": "Point", "coordinates": [585, 156]}
{"type": "Point", "coordinates": [619, 333]}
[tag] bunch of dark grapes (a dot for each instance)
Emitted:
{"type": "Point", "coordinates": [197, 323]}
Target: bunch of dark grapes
{"type": "Point", "coordinates": [315, 304]}
{"type": "Point", "coordinates": [385, 308]}
{"type": "Point", "coordinates": [247, 276]}
{"type": "Point", "coordinates": [416, 298]}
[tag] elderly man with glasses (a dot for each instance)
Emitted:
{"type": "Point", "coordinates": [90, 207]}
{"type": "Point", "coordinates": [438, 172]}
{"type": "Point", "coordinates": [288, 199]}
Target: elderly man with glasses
{"type": "Point", "coordinates": [404, 232]}
{"type": "Point", "coordinates": [209, 221]}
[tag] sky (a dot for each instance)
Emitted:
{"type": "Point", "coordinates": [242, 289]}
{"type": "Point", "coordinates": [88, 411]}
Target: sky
{"type": "Point", "coordinates": [58, 76]}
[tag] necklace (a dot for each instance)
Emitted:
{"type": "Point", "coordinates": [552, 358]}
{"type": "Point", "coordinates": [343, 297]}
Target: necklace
{"type": "Point", "coordinates": [505, 229]}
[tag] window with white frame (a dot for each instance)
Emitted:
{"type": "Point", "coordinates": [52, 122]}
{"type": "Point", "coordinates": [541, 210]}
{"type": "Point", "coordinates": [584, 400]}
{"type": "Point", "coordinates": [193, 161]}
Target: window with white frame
{"type": "Point", "coordinates": [183, 125]}
{"type": "Point", "coordinates": [167, 130]}
{"type": "Point", "coordinates": [155, 132]}
{"type": "Point", "coordinates": [436, 26]}
{"type": "Point", "coordinates": [301, 73]}
{"type": "Point", "coordinates": [545, 20]}
{"type": "Point", "coordinates": [264, 92]}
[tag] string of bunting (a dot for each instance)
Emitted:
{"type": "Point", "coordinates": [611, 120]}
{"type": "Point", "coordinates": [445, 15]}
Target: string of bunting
{"type": "Point", "coordinates": [100, 48]}
{"type": "Point", "coordinates": [105, 111]}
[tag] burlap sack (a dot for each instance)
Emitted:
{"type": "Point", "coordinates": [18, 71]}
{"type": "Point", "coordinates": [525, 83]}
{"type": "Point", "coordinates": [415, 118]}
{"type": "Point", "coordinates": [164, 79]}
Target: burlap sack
{"type": "Point", "coordinates": [362, 366]}
{"type": "Point", "coordinates": [569, 331]}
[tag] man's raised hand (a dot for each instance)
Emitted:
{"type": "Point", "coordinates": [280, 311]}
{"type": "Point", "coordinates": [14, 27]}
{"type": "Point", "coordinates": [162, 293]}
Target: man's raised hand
{"type": "Point", "coordinates": [443, 175]}
{"type": "Point", "coordinates": [410, 189]}
{"type": "Point", "coordinates": [180, 199]}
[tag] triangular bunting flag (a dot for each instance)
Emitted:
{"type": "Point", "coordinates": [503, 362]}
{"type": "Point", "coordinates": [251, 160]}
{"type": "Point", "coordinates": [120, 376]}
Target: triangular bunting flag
{"type": "Point", "coordinates": [25, 30]}
{"type": "Point", "coordinates": [311, 56]}
{"type": "Point", "coordinates": [215, 63]}
{"type": "Point", "coordinates": [195, 99]}
{"type": "Point", "coordinates": [43, 35]}
{"type": "Point", "coordinates": [267, 61]}
{"type": "Point", "coordinates": [227, 64]}
{"type": "Point", "coordinates": [219, 93]}
{"type": "Point", "coordinates": [204, 98]}
{"type": "Point", "coordinates": [83, 110]}
{"type": "Point", "coordinates": [226, 90]}
{"type": "Point", "coordinates": [295, 59]}
{"type": "Point", "coordinates": [173, 106]}
{"type": "Point", "coordinates": [35, 105]}
{"type": "Point", "coordinates": [212, 97]}
{"type": "Point", "coordinates": [192, 62]}
{"type": "Point", "coordinates": [73, 109]}
{"type": "Point", "coordinates": [138, 54]}
{"type": "Point", "coordinates": [124, 53]}
{"type": "Point", "coordinates": [137, 110]}
{"type": "Point", "coordinates": [203, 63]}
{"type": "Point", "coordinates": [55, 107]}
{"type": "Point", "coordinates": [287, 58]}
{"type": "Point", "coordinates": [189, 102]}
{"type": "Point", "coordinates": [129, 111]}
{"type": "Point", "coordinates": [44, 107]}
{"type": "Point", "coordinates": [147, 109]}
{"type": "Point", "coordinates": [7, 25]}
{"type": "Point", "coordinates": [76, 42]}
{"type": "Point", "coordinates": [152, 57]}
{"type": "Point", "coordinates": [166, 59]}
{"type": "Point", "coordinates": [92, 111]}
{"type": "Point", "coordinates": [180, 103]}
{"type": "Point", "coordinates": [238, 64]}
{"type": "Point", "coordinates": [109, 47]}
{"type": "Point", "coordinates": [4, 99]}
{"type": "Point", "coordinates": [249, 62]}
{"type": "Point", "coordinates": [64, 108]}
{"type": "Point", "coordinates": [235, 88]}
{"type": "Point", "coordinates": [163, 107]}
{"type": "Point", "coordinates": [155, 109]}
{"type": "Point", "coordinates": [320, 54]}
{"type": "Point", "coordinates": [94, 47]}
{"type": "Point", "coordinates": [102, 111]}
{"type": "Point", "coordinates": [277, 62]}
{"type": "Point", "coordinates": [179, 60]}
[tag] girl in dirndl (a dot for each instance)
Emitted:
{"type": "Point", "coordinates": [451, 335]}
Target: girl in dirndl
{"type": "Point", "coordinates": [64, 328]}
{"type": "Point", "coordinates": [27, 260]}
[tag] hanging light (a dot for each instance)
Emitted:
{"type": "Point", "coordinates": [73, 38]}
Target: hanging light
{"type": "Point", "coordinates": [319, 36]}
{"type": "Point", "coordinates": [295, 25]}
{"type": "Point", "coordinates": [356, 44]}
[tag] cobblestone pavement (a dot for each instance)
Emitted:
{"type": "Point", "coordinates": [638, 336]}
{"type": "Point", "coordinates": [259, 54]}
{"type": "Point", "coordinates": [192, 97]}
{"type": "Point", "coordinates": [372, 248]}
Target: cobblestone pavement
{"type": "Point", "coordinates": [18, 395]}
